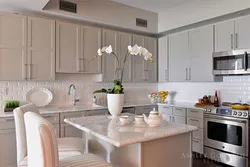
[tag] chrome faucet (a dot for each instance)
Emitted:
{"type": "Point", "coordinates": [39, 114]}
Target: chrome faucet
{"type": "Point", "coordinates": [74, 101]}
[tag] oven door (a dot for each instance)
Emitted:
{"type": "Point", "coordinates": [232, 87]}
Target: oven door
{"type": "Point", "coordinates": [227, 134]}
{"type": "Point", "coordinates": [233, 62]}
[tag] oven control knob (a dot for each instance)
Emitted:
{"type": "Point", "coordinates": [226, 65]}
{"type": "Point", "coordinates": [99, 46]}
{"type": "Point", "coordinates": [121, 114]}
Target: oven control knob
{"type": "Point", "coordinates": [239, 113]}
{"type": "Point", "coordinates": [209, 110]}
{"type": "Point", "coordinates": [244, 114]}
{"type": "Point", "coordinates": [205, 109]}
{"type": "Point", "coordinates": [234, 112]}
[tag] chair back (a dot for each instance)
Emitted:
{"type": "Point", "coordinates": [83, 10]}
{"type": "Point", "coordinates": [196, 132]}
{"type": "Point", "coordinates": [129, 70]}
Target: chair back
{"type": "Point", "coordinates": [21, 142]}
{"type": "Point", "coordinates": [41, 141]}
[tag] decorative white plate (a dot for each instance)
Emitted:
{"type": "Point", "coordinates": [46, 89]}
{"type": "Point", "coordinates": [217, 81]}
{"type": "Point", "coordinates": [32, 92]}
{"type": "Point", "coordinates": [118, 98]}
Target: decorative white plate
{"type": "Point", "coordinates": [39, 96]}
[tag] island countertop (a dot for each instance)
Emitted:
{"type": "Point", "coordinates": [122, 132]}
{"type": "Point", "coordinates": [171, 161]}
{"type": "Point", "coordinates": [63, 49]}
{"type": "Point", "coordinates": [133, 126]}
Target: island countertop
{"type": "Point", "coordinates": [118, 135]}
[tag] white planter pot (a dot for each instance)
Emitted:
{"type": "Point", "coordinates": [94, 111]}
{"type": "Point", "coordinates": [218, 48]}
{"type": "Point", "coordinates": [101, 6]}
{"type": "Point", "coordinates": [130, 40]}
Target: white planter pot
{"type": "Point", "coordinates": [115, 104]}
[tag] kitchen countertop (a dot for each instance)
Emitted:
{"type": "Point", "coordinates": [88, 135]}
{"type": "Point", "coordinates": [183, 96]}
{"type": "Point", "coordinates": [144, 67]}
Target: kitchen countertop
{"type": "Point", "coordinates": [77, 108]}
{"type": "Point", "coordinates": [118, 135]}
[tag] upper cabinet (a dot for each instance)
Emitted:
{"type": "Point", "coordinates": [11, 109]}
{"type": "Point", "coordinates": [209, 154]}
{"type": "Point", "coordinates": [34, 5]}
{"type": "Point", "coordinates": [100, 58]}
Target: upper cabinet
{"type": "Point", "coordinates": [242, 33]}
{"type": "Point", "coordinates": [110, 64]}
{"type": "Point", "coordinates": [68, 47]}
{"type": "Point", "coordinates": [201, 50]}
{"type": "Point", "coordinates": [91, 40]}
{"type": "Point", "coordinates": [179, 60]}
{"type": "Point", "coordinates": [151, 67]}
{"type": "Point", "coordinates": [41, 49]}
{"type": "Point", "coordinates": [145, 71]}
{"type": "Point", "coordinates": [13, 47]}
{"type": "Point", "coordinates": [163, 59]}
{"type": "Point", "coordinates": [224, 36]}
{"type": "Point", "coordinates": [233, 34]}
{"type": "Point", "coordinates": [190, 55]}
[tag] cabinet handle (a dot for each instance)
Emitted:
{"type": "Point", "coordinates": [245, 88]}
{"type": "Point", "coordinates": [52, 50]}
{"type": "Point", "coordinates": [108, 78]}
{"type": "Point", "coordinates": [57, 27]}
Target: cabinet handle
{"type": "Point", "coordinates": [170, 118]}
{"type": "Point", "coordinates": [179, 109]}
{"type": "Point", "coordinates": [195, 141]}
{"type": "Point", "coordinates": [31, 71]}
{"type": "Point", "coordinates": [195, 120]}
{"type": "Point", "coordinates": [190, 74]}
{"type": "Point", "coordinates": [194, 111]}
{"type": "Point", "coordinates": [186, 73]}
{"type": "Point", "coordinates": [232, 41]}
{"type": "Point", "coordinates": [236, 40]}
{"type": "Point", "coordinates": [166, 75]}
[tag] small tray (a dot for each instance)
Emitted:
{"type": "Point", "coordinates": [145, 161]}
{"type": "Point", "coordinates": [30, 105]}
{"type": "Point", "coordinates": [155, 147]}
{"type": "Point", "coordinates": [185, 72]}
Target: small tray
{"type": "Point", "coordinates": [203, 104]}
{"type": "Point", "coordinates": [9, 109]}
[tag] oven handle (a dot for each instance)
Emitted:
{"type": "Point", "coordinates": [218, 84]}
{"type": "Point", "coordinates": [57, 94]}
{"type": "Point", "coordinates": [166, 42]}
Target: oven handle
{"type": "Point", "coordinates": [227, 118]}
{"type": "Point", "coordinates": [246, 61]}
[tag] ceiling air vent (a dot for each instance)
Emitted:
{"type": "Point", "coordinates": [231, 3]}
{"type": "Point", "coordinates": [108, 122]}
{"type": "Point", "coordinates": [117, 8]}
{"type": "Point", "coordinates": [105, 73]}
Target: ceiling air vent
{"type": "Point", "coordinates": [68, 6]}
{"type": "Point", "coordinates": [141, 22]}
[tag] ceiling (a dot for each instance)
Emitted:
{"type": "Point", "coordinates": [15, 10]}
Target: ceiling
{"type": "Point", "coordinates": [157, 6]}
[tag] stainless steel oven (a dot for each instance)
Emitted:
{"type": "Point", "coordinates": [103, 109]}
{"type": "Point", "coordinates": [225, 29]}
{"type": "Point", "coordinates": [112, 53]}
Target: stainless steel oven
{"type": "Point", "coordinates": [226, 137]}
{"type": "Point", "coordinates": [231, 62]}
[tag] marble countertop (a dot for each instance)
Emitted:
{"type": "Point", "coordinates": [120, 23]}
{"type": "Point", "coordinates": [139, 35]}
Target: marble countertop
{"type": "Point", "coordinates": [67, 109]}
{"type": "Point", "coordinates": [118, 135]}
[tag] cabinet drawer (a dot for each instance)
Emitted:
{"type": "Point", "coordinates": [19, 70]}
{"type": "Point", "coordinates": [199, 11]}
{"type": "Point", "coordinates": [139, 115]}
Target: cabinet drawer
{"type": "Point", "coordinates": [195, 122]}
{"type": "Point", "coordinates": [166, 110]}
{"type": "Point", "coordinates": [198, 146]}
{"type": "Point", "coordinates": [195, 113]}
{"type": "Point", "coordinates": [7, 123]}
{"type": "Point", "coordinates": [52, 118]}
{"type": "Point", "coordinates": [97, 112]}
{"type": "Point", "coordinates": [198, 134]}
{"type": "Point", "coordinates": [180, 111]}
{"type": "Point", "coordinates": [72, 115]}
{"type": "Point", "coordinates": [178, 119]}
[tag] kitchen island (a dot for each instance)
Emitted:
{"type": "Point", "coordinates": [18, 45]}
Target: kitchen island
{"type": "Point", "coordinates": [169, 145]}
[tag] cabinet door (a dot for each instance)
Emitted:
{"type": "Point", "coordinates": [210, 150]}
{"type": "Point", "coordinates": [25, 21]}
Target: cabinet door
{"type": "Point", "coordinates": [138, 61]}
{"type": "Point", "coordinates": [201, 50]}
{"type": "Point", "coordinates": [97, 112]}
{"type": "Point", "coordinates": [224, 36]}
{"type": "Point", "coordinates": [124, 41]}
{"type": "Point", "coordinates": [163, 59]}
{"type": "Point", "coordinates": [167, 117]}
{"type": "Point", "coordinates": [8, 148]}
{"type": "Point", "coordinates": [109, 62]}
{"type": "Point", "coordinates": [242, 33]}
{"type": "Point", "coordinates": [67, 47]}
{"type": "Point", "coordinates": [179, 120]}
{"type": "Point", "coordinates": [179, 61]}
{"type": "Point", "coordinates": [151, 67]}
{"type": "Point", "coordinates": [70, 131]}
{"type": "Point", "coordinates": [91, 42]}
{"type": "Point", "coordinates": [13, 36]}
{"type": "Point", "coordinates": [41, 49]}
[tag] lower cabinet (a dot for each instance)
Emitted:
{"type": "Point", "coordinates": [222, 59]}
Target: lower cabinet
{"type": "Point", "coordinates": [7, 143]}
{"type": "Point", "coordinates": [8, 148]}
{"type": "Point", "coordinates": [97, 112]}
{"type": "Point", "coordinates": [67, 130]}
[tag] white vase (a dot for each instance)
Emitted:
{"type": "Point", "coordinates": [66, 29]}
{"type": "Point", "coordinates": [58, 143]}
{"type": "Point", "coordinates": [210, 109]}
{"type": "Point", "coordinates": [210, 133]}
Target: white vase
{"type": "Point", "coordinates": [115, 104]}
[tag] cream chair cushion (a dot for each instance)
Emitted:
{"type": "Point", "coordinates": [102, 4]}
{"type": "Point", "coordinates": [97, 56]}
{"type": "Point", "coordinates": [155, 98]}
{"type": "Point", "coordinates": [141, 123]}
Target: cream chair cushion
{"type": "Point", "coordinates": [67, 146]}
{"type": "Point", "coordinates": [43, 146]}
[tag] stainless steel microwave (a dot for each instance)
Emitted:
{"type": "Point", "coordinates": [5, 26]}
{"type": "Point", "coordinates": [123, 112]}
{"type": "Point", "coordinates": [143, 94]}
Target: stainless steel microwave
{"type": "Point", "coordinates": [231, 62]}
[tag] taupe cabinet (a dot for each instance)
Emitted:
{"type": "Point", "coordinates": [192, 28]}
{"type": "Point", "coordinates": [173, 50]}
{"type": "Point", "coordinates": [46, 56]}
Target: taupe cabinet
{"type": "Point", "coordinates": [27, 46]}
{"type": "Point", "coordinates": [76, 46]}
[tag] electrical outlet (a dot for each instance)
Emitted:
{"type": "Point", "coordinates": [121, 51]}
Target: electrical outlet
{"type": "Point", "coordinates": [3, 91]}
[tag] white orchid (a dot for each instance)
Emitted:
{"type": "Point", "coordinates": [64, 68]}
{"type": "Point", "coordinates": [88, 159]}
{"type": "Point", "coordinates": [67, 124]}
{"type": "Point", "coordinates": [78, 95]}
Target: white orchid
{"type": "Point", "coordinates": [143, 51]}
{"type": "Point", "coordinates": [99, 52]}
{"type": "Point", "coordinates": [135, 50]}
{"type": "Point", "coordinates": [148, 56]}
{"type": "Point", "coordinates": [109, 50]}
{"type": "Point", "coordinates": [130, 48]}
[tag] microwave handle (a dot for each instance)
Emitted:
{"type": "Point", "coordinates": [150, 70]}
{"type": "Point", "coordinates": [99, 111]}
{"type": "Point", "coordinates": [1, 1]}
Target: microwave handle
{"type": "Point", "coordinates": [246, 61]}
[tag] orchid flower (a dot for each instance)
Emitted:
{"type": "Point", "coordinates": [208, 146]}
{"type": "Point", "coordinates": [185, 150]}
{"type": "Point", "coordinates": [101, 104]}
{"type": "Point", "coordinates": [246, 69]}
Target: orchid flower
{"type": "Point", "coordinates": [99, 52]}
{"type": "Point", "coordinates": [109, 50]}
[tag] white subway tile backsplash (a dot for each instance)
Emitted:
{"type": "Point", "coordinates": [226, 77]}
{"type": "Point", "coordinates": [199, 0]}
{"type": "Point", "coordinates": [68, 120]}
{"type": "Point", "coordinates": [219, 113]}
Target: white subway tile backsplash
{"type": "Point", "coordinates": [85, 85]}
{"type": "Point", "coordinates": [232, 89]}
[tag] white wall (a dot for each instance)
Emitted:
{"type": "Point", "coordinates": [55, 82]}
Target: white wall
{"type": "Point", "coordinates": [232, 89]}
{"type": "Point", "coordinates": [197, 11]}
{"type": "Point", "coordinates": [108, 12]}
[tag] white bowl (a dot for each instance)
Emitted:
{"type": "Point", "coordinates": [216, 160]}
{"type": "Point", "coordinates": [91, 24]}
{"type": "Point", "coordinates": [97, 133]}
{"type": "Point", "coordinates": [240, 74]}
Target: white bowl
{"type": "Point", "coordinates": [139, 119]}
{"type": "Point", "coordinates": [124, 119]}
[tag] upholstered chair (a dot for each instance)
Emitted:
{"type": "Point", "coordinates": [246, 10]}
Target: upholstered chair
{"type": "Point", "coordinates": [43, 147]}
{"type": "Point", "coordinates": [67, 146]}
